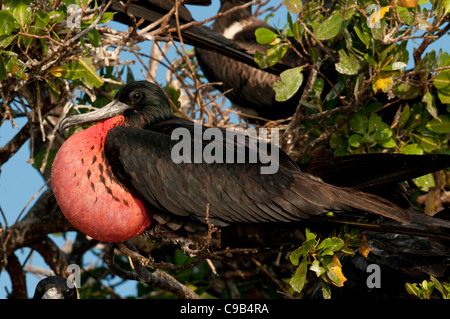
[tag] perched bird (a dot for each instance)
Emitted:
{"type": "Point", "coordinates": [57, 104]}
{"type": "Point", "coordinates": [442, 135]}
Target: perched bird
{"type": "Point", "coordinates": [113, 179]}
{"type": "Point", "coordinates": [226, 53]}
{"type": "Point", "coordinates": [199, 36]}
{"type": "Point", "coordinates": [55, 287]}
{"type": "Point", "coordinates": [249, 88]}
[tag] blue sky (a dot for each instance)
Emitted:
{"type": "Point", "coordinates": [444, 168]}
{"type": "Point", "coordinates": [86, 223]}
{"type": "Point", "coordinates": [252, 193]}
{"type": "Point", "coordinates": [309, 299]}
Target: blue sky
{"type": "Point", "coordinates": [19, 181]}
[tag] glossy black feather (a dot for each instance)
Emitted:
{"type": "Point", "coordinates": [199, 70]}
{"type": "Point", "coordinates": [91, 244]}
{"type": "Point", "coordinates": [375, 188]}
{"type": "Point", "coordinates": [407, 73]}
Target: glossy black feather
{"type": "Point", "coordinates": [380, 174]}
{"type": "Point", "coordinates": [235, 192]}
{"type": "Point", "coordinates": [199, 36]}
{"type": "Point", "coordinates": [139, 152]}
{"type": "Point", "coordinates": [249, 88]}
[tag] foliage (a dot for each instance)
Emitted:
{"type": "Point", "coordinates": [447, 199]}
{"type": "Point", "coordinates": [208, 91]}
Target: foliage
{"type": "Point", "coordinates": [425, 289]}
{"type": "Point", "coordinates": [369, 57]}
{"type": "Point", "coordinates": [370, 102]}
{"type": "Point", "coordinates": [321, 256]}
{"type": "Point", "coordinates": [24, 51]}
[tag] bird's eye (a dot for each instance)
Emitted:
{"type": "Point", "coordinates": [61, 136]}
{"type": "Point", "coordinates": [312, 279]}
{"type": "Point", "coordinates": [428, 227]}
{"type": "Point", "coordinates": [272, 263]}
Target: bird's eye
{"type": "Point", "coordinates": [136, 96]}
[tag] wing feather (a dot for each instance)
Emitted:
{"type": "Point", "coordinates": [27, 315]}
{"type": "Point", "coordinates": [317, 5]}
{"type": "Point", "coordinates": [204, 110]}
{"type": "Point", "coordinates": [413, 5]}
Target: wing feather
{"type": "Point", "coordinates": [235, 192]}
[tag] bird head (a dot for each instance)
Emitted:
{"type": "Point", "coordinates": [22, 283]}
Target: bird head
{"type": "Point", "coordinates": [55, 287]}
{"type": "Point", "coordinates": [141, 103]}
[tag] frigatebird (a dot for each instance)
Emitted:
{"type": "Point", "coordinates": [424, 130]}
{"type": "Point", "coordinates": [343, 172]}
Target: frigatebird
{"type": "Point", "coordinates": [248, 87]}
{"type": "Point", "coordinates": [55, 287]}
{"type": "Point", "coordinates": [199, 36]}
{"type": "Point", "coordinates": [113, 179]}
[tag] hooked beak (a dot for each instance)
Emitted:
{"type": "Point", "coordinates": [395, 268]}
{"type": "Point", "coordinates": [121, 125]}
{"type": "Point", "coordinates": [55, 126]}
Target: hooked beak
{"type": "Point", "coordinates": [110, 110]}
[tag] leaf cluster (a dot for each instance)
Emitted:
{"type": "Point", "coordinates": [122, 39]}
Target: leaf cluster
{"type": "Point", "coordinates": [33, 39]}
{"type": "Point", "coordinates": [426, 289]}
{"type": "Point", "coordinates": [321, 257]}
{"type": "Point", "coordinates": [360, 50]}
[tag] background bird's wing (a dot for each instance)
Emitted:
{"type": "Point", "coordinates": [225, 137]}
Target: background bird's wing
{"type": "Point", "coordinates": [236, 192]}
{"type": "Point", "coordinates": [369, 171]}
{"type": "Point", "coordinates": [381, 174]}
{"type": "Point", "coordinates": [199, 36]}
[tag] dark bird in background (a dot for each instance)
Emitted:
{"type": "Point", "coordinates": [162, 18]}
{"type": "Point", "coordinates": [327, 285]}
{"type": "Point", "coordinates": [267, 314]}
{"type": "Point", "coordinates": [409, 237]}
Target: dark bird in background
{"type": "Point", "coordinates": [55, 287]}
{"type": "Point", "coordinates": [226, 54]}
{"type": "Point", "coordinates": [250, 88]}
{"type": "Point", "coordinates": [199, 36]}
{"type": "Point", "coordinates": [112, 179]}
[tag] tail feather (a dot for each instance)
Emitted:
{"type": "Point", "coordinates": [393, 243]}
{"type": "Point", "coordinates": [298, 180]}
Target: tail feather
{"type": "Point", "coordinates": [322, 196]}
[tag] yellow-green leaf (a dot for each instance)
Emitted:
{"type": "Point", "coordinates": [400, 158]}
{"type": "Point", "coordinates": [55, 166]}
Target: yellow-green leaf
{"type": "Point", "coordinates": [299, 279]}
{"type": "Point", "coordinates": [330, 27]}
{"type": "Point", "coordinates": [289, 83]}
{"type": "Point", "coordinates": [440, 125]}
{"type": "Point", "coordinates": [294, 6]}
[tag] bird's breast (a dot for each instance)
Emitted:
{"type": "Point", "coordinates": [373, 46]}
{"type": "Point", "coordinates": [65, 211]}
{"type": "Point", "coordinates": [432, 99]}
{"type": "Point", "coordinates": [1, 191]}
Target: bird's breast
{"type": "Point", "coordinates": [89, 194]}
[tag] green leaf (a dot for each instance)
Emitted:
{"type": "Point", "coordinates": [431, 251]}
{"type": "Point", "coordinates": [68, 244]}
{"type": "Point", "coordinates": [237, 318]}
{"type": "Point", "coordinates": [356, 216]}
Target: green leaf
{"type": "Point", "coordinates": [295, 29]}
{"type": "Point", "coordinates": [348, 64]}
{"type": "Point", "coordinates": [22, 13]}
{"type": "Point", "coordinates": [444, 97]}
{"type": "Point", "coordinates": [265, 36]}
{"type": "Point", "coordinates": [53, 89]}
{"type": "Point", "coordinates": [107, 16]}
{"type": "Point", "coordinates": [359, 123]}
{"type": "Point", "coordinates": [427, 99]}
{"type": "Point", "coordinates": [94, 37]}
{"type": "Point", "coordinates": [302, 251]}
{"type": "Point", "coordinates": [404, 116]}
{"type": "Point", "coordinates": [39, 158]}
{"type": "Point", "coordinates": [363, 33]}
{"type": "Point", "coordinates": [334, 244]}
{"type": "Point", "coordinates": [298, 280]}
{"type": "Point", "coordinates": [315, 266]}
{"type": "Point", "coordinates": [309, 235]}
{"type": "Point", "coordinates": [84, 70]}
{"type": "Point", "coordinates": [330, 27]}
{"type": "Point", "coordinates": [58, 15]}
{"type": "Point", "coordinates": [326, 291]}
{"type": "Point", "coordinates": [289, 83]}
{"type": "Point", "coordinates": [272, 56]}
{"type": "Point", "coordinates": [424, 182]}
{"type": "Point", "coordinates": [334, 270]}
{"type": "Point", "coordinates": [349, 9]}
{"type": "Point", "coordinates": [443, 288]}
{"type": "Point", "coordinates": [412, 149]}
{"type": "Point", "coordinates": [42, 19]}
{"type": "Point", "coordinates": [6, 22]}
{"type": "Point", "coordinates": [389, 143]}
{"type": "Point", "coordinates": [406, 15]}
{"type": "Point", "coordinates": [294, 6]}
{"type": "Point", "coordinates": [5, 40]}
{"type": "Point", "coordinates": [446, 4]}
{"type": "Point", "coordinates": [383, 134]}
{"type": "Point", "coordinates": [440, 125]}
{"type": "Point", "coordinates": [428, 143]}
{"type": "Point", "coordinates": [412, 289]}
{"type": "Point", "coordinates": [442, 81]}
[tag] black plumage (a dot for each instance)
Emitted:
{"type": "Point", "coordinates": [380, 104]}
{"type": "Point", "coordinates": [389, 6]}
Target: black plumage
{"type": "Point", "coordinates": [199, 36]}
{"type": "Point", "coordinates": [249, 88]}
{"type": "Point", "coordinates": [229, 61]}
{"type": "Point", "coordinates": [139, 153]}
{"type": "Point", "coordinates": [55, 287]}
